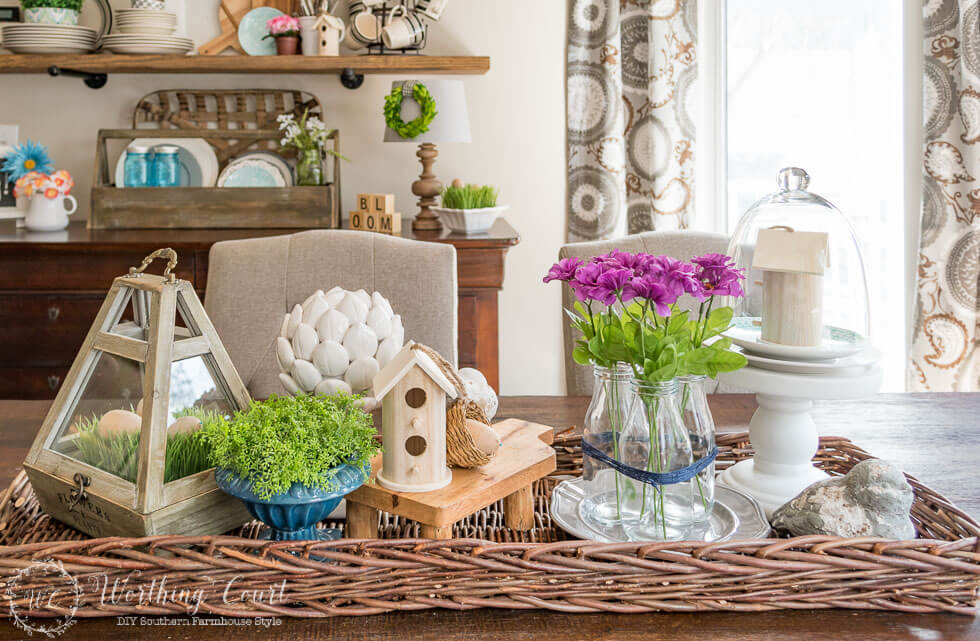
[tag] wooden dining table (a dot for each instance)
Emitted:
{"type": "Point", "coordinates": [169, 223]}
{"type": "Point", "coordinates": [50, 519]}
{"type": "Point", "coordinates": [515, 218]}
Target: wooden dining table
{"type": "Point", "coordinates": [934, 437]}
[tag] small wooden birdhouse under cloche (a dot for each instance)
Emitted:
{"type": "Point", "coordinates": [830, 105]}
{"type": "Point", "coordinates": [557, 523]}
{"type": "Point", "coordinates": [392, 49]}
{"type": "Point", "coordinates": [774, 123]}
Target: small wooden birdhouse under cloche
{"type": "Point", "coordinates": [792, 264]}
{"type": "Point", "coordinates": [119, 452]}
{"type": "Point", "coordinates": [413, 391]}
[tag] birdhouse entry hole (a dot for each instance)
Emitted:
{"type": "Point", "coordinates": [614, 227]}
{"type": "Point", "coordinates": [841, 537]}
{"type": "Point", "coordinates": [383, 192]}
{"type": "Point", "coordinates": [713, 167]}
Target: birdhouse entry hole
{"type": "Point", "coordinates": [415, 445]}
{"type": "Point", "coordinates": [415, 397]}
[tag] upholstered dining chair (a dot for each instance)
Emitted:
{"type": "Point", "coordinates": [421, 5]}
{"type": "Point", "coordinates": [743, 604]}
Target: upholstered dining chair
{"type": "Point", "coordinates": [682, 245]}
{"type": "Point", "coordinates": [252, 283]}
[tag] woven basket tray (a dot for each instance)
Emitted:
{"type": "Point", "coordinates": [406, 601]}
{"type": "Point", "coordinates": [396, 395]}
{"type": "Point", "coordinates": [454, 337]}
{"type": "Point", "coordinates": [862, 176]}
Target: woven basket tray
{"type": "Point", "coordinates": [489, 565]}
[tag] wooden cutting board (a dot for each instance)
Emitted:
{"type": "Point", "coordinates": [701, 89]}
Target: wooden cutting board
{"type": "Point", "coordinates": [229, 25]}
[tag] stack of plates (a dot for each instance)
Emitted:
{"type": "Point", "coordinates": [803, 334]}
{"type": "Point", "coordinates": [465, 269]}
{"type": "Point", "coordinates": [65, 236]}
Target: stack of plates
{"type": "Point", "coordinates": [146, 21]}
{"type": "Point", "coordinates": [842, 352]}
{"type": "Point", "coordinates": [49, 38]}
{"type": "Point", "coordinates": [145, 31]}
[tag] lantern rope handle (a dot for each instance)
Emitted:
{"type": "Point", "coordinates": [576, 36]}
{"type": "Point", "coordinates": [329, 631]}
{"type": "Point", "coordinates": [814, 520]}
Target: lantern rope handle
{"type": "Point", "coordinates": [167, 253]}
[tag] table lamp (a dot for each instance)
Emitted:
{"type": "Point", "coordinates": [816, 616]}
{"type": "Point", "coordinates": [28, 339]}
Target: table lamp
{"type": "Point", "coordinates": [451, 124]}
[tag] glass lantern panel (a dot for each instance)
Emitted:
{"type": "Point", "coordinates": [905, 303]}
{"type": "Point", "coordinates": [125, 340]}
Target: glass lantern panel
{"type": "Point", "coordinates": [793, 207]}
{"type": "Point", "coordinates": [102, 429]}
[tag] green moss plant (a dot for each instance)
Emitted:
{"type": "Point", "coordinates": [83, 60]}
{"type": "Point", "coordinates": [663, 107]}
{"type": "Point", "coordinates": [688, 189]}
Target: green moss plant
{"type": "Point", "coordinates": [293, 439]}
{"type": "Point", "coordinates": [74, 5]}
{"type": "Point", "coordinates": [469, 197]}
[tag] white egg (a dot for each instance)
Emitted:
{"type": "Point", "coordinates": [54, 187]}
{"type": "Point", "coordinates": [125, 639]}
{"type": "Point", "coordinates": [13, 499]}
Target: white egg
{"type": "Point", "coordinates": [397, 330]}
{"type": "Point", "coordinates": [305, 341]}
{"type": "Point", "coordinates": [334, 296]}
{"type": "Point", "coordinates": [485, 437]}
{"type": "Point", "coordinates": [139, 407]}
{"type": "Point", "coordinates": [331, 358]}
{"type": "Point", "coordinates": [379, 321]}
{"type": "Point", "coordinates": [309, 300]}
{"type": "Point", "coordinates": [378, 300]}
{"type": "Point", "coordinates": [471, 374]}
{"type": "Point", "coordinates": [184, 425]}
{"type": "Point", "coordinates": [119, 422]}
{"type": "Point", "coordinates": [367, 403]}
{"type": "Point", "coordinates": [306, 374]}
{"type": "Point", "coordinates": [354, 308]}
{"type": "Point", "coordinates": [284, 354]}
{"type": "Point", "coordinates": [387, 351]}
{"type": "Point", "coordinates": [332, 387]}
{"type": "Point", "coordinates": [364, 297]}
{"type": "Point", "coordinates": [360, 341]}
{"type": "Point", "coordinates": [314, 310]}
{"type": "Point", "coordinates": [332, 326]}
{"type": "Point", "coordinates": [284, 328]}
{"type": "Point", "coordinates": [295, 318]}
{"type": "Point", "coordinates": [290, 385]}
{"type": "Point", "coordinates": [361, 373]}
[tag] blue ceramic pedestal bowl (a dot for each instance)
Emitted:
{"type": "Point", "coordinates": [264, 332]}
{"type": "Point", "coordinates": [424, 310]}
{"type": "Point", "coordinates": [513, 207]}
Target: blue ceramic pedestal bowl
{"type": "Point", "coordinates": [293, 515]}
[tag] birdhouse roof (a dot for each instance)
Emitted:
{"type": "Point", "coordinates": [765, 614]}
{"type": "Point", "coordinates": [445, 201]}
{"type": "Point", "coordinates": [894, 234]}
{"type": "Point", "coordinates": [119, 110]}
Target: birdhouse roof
{"type": "Point", "coordinates": [402, 364]}
{"type": "Point", "coordinates": [785, 250]}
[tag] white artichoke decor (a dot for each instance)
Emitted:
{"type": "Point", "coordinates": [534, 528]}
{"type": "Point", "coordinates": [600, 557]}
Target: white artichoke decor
{"type": "Point", "coordinates": [335, 342]}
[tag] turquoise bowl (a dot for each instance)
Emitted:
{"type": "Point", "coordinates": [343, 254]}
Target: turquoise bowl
{"type": "Point", "coordinates": [293, 515]}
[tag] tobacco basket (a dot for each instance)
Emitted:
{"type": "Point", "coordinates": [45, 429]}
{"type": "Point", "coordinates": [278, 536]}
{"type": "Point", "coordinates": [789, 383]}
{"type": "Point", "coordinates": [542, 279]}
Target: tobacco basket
{"type": "Point", "coordinates": [489, 565]}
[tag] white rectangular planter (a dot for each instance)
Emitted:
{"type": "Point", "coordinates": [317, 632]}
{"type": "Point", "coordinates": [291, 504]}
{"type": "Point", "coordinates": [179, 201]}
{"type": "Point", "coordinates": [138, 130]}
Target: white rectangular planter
{"type": "Point", "coordinates": [469, 221]}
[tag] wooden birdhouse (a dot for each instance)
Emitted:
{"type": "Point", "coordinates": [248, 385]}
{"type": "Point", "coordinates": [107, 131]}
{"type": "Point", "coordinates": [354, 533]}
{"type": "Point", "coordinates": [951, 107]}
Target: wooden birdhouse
{"type": "Point", "coordinates": [792, 264]}
{"type": "Point", "coordinates": [413, 392]}
{"type": "Point", "coordinates": [119, 452]}
{"type": "Point", "coordinates": [330, 31]}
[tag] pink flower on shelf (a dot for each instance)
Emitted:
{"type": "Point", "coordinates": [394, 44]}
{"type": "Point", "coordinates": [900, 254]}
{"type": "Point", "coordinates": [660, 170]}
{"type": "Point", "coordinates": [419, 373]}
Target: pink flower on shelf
{"type": "Point", "coordinates": [282, 27]}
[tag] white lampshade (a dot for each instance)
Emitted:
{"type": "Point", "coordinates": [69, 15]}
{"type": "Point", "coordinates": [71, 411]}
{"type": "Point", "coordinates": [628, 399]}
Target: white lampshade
{"type": "Point", "coordinates": [451, 124]}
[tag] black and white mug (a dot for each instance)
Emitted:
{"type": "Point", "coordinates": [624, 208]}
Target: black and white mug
{"type": "Point", "coordinates": [431, 8]}
{"type": "Point", "coordinates": [404, 29]}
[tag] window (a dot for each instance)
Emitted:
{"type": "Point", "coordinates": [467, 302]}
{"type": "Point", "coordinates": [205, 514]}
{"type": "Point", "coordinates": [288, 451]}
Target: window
{"type": "Point", "coordinates": [819, 85]}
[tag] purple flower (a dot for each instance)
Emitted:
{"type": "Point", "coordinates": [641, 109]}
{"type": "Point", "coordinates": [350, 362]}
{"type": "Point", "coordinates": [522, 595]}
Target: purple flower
{"type": "Point", "coordinates": [652, 289]}
{"type": "Point", "coordinates": [719, 276]}
{"type": "Point", "coordinates": [586, 279]}
{"type": "Point", "coordinates": [677, 276]}
{"type": "Point", "coordinates": [613, 285]}
{"type": "Point", "coordinates": [622, 260]}
{"type": "Point", "coordinates": [563, 270]}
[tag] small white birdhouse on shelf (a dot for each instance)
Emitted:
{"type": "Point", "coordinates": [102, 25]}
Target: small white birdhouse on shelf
{"type": "Point", "coordinates": [330, 31]}
{"type": "Point", "coordinates": [413, 391]}
{"type": "Point", "coordinates": [792, 264]}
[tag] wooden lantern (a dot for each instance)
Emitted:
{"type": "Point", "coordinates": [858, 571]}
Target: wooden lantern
{"type": "Point", "coordinates": [150, 370]}
{"type": "Point", "coordinates": [413, 422]}
{"type": "Point", "coordinates": [792, 265]}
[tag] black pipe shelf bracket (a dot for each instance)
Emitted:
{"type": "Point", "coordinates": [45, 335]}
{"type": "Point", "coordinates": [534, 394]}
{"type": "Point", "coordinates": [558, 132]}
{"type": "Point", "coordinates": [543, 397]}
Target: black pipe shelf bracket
{"type": "Point", "coordinates": [351, 79]}
{"type": "Point", "coordinates": [92, 80]}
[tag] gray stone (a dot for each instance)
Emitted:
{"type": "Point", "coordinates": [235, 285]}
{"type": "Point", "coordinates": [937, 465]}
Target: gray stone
{"type": "Point", "coordinates": [873, 499]}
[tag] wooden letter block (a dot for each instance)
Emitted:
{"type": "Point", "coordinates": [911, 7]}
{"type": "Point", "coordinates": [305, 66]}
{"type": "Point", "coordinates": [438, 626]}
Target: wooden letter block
{"type": "Point", "coordinates": [364, 202]}
{"type": "Point", "coordinates": [382, 203]}
{"type": "Point", "coordinates": [364, 221]}
{"type": "Point", "coordinates": [391, 224]}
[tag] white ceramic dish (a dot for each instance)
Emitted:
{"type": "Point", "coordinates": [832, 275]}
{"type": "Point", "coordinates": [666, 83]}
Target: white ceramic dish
{"type": "Point", "coordinates": [146, 49]}
{"type": "Point", "coordinates": [837, 343]}
{"type": "Point", "coordinates": [275, 159]}
{"type": "Point", "coordinates": [198, 162]}
{"type": "Point", "coordinates": [469, 221]}
{"type": "Point", "coordinates": [854, 365]}
{"type": "Point", "coordinates": [252, 172]}
{"type": "Point", "coordinates": [735, 516]}
{"type": "Point", "coordinates": [35, 48]}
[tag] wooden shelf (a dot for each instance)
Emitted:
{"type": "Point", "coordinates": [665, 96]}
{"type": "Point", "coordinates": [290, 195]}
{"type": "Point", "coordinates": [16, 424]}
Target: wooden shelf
{"type": "Point", "coordinates": [114, 63]}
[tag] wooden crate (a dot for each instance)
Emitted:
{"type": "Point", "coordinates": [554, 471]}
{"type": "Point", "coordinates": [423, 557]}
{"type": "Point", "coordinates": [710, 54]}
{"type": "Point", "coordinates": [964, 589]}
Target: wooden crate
{"type": "Point", "coordinates": [210, 207]}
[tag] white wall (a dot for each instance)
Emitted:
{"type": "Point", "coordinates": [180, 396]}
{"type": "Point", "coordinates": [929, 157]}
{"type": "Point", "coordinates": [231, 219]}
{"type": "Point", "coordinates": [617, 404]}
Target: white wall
{"type": "Point", "coordinates": [516, 115]}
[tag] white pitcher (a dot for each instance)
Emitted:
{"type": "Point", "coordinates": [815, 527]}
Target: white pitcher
{"type": "Point", "coordinates": [49, 214]}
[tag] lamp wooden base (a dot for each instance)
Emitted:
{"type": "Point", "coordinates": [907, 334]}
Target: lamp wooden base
{"type": "Point", "coordinates": [427, 188]}
{"type": "Point", "coordinates": [524, 457]}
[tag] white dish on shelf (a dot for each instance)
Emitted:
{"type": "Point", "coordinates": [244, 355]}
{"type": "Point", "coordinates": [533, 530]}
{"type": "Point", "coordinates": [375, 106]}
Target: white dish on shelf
{"type": "Point", "coordinates": [253, 171]}
{"type": "Point", "coordinates": [469, 221]}
{"type": "Point", "coordinates": [853, 365]}
{"type": "Point", "coordinates": [838, 342]}
{"type": "Point", "coordinates": [198, 162]}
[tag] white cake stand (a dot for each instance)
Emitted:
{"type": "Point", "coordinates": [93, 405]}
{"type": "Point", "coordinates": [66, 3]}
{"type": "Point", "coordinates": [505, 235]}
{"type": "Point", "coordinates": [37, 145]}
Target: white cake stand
{"type": "Point", "coordinates": [782, 430]}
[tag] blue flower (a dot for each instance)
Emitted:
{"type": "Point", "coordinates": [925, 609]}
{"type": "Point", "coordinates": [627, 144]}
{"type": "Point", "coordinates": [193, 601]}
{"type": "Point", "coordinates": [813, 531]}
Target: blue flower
{"type": "Point", "coordinates": [30, 156]}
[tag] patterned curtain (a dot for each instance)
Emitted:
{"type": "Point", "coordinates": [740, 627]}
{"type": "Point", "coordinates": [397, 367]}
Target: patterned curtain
{"type": "Point", "coordinates": [944, 353]}
{"type": "Point", "coordinates": [631, 76]}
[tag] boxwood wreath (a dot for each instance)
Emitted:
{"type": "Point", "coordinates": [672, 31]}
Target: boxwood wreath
{"type": "Point", "coordinates": [393, 111]}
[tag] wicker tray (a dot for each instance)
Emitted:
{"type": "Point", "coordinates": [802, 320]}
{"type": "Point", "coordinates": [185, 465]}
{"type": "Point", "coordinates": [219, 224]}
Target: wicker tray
{"type": "Point", "coordinates": [489, 565]}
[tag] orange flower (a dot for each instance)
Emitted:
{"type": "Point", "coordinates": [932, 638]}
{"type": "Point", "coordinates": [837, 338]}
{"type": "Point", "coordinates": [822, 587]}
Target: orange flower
{"type": "Point", "coordinates": [51, 193]}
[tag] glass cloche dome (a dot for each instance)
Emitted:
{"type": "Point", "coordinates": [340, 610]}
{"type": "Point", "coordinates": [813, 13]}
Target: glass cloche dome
{"type": "Point", "coordinates": [805, 287]}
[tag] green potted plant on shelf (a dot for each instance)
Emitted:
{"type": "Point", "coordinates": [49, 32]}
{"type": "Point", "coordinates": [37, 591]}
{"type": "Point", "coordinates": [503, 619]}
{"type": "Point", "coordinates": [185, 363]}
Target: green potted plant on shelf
{"type": "Point", "coordinates": [52, 11]}
{"type": "Point", "coordinates": [307, 136]}
{"type": "Point", "coordinates": [291, 459]}
{"type": "Point", "coordinates": [469, 209]}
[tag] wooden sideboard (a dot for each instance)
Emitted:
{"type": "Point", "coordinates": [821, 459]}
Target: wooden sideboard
{"type": "Point", "coordinates": [52, 284]}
